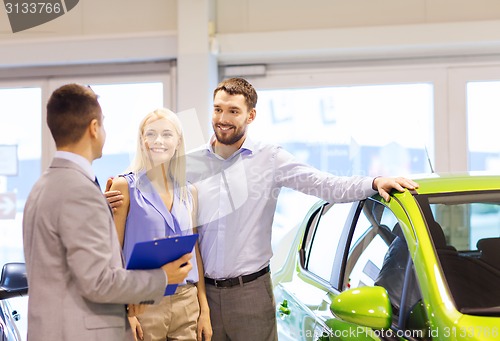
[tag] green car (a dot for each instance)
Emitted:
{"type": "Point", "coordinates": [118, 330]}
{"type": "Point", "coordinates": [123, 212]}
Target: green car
{"type": "Point", "coordinates": [423, 266]}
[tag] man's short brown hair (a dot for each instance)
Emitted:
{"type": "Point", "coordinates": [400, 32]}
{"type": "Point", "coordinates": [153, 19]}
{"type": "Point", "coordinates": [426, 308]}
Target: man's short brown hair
{"type": "Point", "coordinates": [70, 110]}
{"type": "Point", "coordinates": [239, 86]}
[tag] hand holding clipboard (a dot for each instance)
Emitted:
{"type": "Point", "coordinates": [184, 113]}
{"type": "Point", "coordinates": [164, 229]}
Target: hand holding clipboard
{"type": "Point", "coordinates": [172, 255]}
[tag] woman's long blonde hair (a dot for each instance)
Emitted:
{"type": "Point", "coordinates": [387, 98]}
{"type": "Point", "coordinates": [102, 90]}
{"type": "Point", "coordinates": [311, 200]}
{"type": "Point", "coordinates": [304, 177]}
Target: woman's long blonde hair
{"type": "Point", "coordinates": [177, 168]}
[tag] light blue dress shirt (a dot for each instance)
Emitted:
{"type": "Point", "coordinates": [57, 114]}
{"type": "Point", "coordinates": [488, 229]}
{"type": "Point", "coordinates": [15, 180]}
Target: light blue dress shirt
{"type": "Point", "coordinates": [237, 199]}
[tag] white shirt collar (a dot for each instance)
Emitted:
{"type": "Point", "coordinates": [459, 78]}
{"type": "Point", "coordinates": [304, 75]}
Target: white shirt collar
{"type": "Point", "coordinates": [79, 160]}
{"type": "Point", "coordinates": [248, 144]}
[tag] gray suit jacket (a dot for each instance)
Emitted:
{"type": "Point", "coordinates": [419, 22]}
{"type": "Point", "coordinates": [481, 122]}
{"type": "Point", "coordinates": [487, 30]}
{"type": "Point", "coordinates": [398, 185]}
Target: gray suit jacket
{"type": "Point", "coordinates": [78, 287]}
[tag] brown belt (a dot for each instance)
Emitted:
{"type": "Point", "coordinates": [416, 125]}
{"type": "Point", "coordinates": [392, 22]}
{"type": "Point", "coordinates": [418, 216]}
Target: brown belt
{"type": "Point", "coordinates": [231, 282]}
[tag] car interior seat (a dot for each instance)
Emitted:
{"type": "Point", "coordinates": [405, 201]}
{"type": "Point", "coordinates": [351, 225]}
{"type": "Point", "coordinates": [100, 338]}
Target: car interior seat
{"type": "Point", "coordinates": [490, 251]}
{"type": "Point", "coordinates": [473, 284]}
{"type": "Point", "coordinates": [439, 239]}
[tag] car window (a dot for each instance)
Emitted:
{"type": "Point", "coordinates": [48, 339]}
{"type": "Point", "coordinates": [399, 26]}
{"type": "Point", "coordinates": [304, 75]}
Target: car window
{"type": "Point", "coordinates": [324, 239]}
{"type": "Point", "coordinates": [465, 230]}
{"type": "Point", "coordinates": [362, 227]}
{"type": "Point", "coordinates": [466, 224]}
{"type": "Point", "coordinates": [367, 247]}
{"type": "Point", "coordinates": [378, 255]}
{"type": "Point", "coordinates": [365, 259]}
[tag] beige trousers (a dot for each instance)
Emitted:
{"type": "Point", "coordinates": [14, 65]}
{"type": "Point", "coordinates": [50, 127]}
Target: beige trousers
{"type": "Point", "coordinates": [174, 318]}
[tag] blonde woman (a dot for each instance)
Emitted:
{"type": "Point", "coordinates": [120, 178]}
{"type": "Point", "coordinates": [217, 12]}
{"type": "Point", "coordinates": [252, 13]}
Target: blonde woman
{"type": "Point", "coordinates": [158, 203]}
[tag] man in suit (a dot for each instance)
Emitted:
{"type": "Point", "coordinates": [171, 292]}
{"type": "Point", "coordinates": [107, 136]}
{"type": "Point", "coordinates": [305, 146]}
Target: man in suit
{"type": "Point", "coordinates": [78, 287]}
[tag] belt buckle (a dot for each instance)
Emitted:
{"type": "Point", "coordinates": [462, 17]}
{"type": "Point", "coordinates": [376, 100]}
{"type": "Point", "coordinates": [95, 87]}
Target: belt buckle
{"type": "Point", "coordinates": [215, 283]}
{"type": "Point", "coordinates": [223, 283]}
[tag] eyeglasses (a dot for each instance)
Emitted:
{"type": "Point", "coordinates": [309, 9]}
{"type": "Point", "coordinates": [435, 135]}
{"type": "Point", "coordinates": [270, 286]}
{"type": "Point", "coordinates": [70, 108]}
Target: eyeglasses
{"type": "Point", "coordinates": [151, 135]}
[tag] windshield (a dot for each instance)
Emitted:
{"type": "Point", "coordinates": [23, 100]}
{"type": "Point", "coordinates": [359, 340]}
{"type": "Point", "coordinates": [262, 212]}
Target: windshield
{"type": "Point", "coordinates": [465, 229]}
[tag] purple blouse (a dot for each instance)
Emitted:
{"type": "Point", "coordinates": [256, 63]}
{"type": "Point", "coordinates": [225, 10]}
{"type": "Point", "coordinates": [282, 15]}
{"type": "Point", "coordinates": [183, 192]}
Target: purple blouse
{"type": "Point", "coordinates": [148, 217]}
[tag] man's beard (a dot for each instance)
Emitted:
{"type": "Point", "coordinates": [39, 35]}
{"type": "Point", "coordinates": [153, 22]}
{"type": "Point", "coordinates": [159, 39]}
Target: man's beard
{"type": "Point", "coordinates": [230, 139]}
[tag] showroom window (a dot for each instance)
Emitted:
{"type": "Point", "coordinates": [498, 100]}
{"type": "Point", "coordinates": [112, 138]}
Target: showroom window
{"type": "Point", "coordinates": [20, 160]}
{"type": "Point", "coordinates": [474, 105]}
{"type": "Point", "coordinates": [350, 130]}
{"type": "Point", "coordinates": [20, 167]}
{"type": "Point", "coordinates": [483, 105]}
{"type": "Point", "coordinates": [124, 106]}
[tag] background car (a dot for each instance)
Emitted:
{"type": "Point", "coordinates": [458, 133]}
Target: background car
{"type": "Point", "coordinates": [423, 266]}
{"type": "Point", "coordinates": [13, 283]}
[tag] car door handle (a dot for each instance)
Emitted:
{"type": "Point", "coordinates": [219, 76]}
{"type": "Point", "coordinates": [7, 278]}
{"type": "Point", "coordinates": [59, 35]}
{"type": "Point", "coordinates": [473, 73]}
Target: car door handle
{"type": "Point", "coordinates": [15, 315]}
{"type": "Point", "coordinates": [283, 308]}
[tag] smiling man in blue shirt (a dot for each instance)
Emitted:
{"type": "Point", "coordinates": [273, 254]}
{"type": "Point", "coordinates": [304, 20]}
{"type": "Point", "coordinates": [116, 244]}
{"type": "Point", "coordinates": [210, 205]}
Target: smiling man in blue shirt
{"type": "Point", "coordinates": [238, 182]}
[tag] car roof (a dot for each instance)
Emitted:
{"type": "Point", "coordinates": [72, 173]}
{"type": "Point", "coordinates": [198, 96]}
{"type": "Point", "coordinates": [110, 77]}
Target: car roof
{"type": "Point", "coordinates": [456, 182]}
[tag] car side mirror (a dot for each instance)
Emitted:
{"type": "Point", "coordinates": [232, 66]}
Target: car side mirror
{"type": "Point", "coordinates": [13, 281]}
{"type": "Point", "coordinates": [364, 306]}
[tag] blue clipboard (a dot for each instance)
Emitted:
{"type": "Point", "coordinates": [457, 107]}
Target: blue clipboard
{"type": "Point", "coordinates": [155, 253]}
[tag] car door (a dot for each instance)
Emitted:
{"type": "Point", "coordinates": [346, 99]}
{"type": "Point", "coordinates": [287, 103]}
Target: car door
{"type": "Point", "coordinates": [360, 253]}
{"type": "Point", "coordinates": [343, 246]}
{"type": "Point", "coordinates": [322, 233]}
{"type": "Point", "coordinates": [324, 259]}
{"type": "Point", "coordinates": [376, 254]}
{"type": "Point", "coordinates": [8, 329]}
